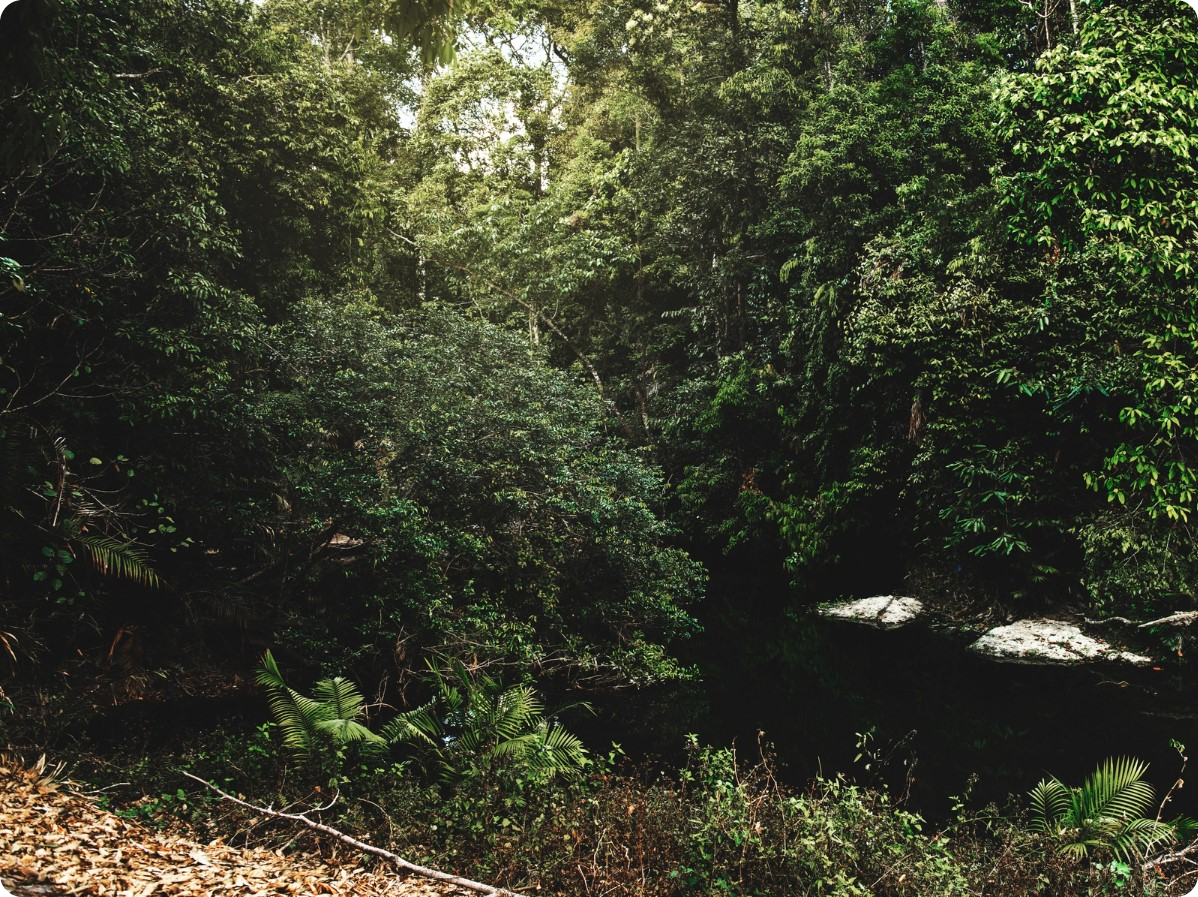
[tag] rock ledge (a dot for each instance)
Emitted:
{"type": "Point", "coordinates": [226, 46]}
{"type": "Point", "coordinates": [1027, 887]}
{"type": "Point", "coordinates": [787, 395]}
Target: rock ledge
{"type": "Point", "coordinates": [882, 611]}
{"type": "Point", "coordinates": [1049, 642]}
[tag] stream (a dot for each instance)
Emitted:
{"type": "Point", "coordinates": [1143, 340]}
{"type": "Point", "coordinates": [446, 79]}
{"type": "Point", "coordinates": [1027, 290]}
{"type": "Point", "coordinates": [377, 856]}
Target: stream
{"type": "Point", "coordinates": [937, 713]}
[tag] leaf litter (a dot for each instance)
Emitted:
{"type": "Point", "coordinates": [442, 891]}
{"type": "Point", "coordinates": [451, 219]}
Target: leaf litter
{"type": "Point", "coordinates": [55, 842]}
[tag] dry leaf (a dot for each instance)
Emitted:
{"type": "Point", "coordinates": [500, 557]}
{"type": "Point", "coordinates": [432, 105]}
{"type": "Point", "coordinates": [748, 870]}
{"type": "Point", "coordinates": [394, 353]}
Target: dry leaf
{"type": "Point", "coordinates": [54, 836]}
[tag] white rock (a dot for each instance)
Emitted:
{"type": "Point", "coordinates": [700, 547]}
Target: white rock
{"type": "Point", "coordinates": [883, 611]}
{"type": "Point", "coordinates": [1049, 642]}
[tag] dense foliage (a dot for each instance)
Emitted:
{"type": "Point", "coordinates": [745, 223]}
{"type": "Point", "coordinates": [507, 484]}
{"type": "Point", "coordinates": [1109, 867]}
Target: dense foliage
{"type": "Point", "coordinates": [724, 824]}
{"type": "Point", "coordinates": [211, 412]}
{"type": "Point", "coordinates": [370, 332]}
{"type": "Point", "coordinates": [907, 283]}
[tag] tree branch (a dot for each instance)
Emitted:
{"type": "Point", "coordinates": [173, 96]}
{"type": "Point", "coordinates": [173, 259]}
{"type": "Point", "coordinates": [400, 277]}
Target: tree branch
{"type": "Point", "coordinates": [1184, 616]}
{"type": "Point", "coordinates": [393, 858]}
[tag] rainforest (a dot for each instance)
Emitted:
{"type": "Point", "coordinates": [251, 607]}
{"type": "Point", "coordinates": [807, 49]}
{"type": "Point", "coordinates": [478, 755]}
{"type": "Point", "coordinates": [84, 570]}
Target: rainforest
{"type": "Point", "coordinates": [505, 432]}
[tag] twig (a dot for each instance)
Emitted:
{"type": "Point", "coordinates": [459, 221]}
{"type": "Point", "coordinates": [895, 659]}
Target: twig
{"type": "Point", "coordinates": [393, 858]}
{"type": "Point", "coordinates": [1171, 856]}
{"type": "Point", "coordinates": [107, 788]}
{"type": "Point", "coordinates": [1179, 782]}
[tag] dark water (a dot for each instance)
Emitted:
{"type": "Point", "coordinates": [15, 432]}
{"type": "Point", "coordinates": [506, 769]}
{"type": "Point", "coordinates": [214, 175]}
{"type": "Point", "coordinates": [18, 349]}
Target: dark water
{"type": "Point", "coordinates": [937, 713]}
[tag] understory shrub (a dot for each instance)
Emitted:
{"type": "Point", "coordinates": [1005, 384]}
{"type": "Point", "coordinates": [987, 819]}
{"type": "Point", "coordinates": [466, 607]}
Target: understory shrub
{"type": "Point", "coordinates": [722, 825]}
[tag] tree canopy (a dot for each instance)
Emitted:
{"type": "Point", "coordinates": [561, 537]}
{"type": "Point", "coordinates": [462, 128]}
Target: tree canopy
{"type": "Point", "coordinates": [375, 329]}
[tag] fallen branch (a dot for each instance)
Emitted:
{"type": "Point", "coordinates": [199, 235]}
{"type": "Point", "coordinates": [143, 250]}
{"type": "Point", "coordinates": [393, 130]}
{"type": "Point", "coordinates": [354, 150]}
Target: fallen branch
{"type": "Point", "coordinates": [1183, 854]}
{"type": "Point", "coordinates": [1185, 616]}
{"type": "Point", "coordinates": [393, 858]}
{"type": "Point", "coordinates": [1107, 621]}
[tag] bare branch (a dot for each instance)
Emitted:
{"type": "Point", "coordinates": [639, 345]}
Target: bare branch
{"type": "Point", "coordinates": [1177, 619]}
{"type": "Point", "coordinates": [393, 858]}
{"type": "Point", "coordinates": [1183, 854]}
{"type": "Point", "coordinates": [1185, 616]}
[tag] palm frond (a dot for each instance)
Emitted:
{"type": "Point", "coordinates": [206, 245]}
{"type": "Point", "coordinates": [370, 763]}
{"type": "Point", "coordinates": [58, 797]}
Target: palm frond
{"type": "Point", "coordinates": [1117, 789]}
{"type": "Point", "coordinates": [516, 710]}
{"type": "Point", "coordinates": [7, 640]}
{"type": "Point", "coordinates": [559, 751]}
{"type": "Point", "coordinates": [345, 707]}
{"type": "Point", "coordinates": [471, 739]}
{"type": "Point", "coordinates": [1184, 827]}
{"type": "Point", "coordinates": [1050, 804]}
{"type": "Point", "coordinates": [298, 717]}
{"type": "Point", "coordinates": [419, 726]}
{"type": "Point", "coordinates": [472, 718]}
{"type": "Point", "coordinates": [268, 674]}
{"type": "Point", "coordinates": [122, 559]}
{"type": "Point", "coordinates": [342, 696]}
{"type": "Point", "coordinates": [1106, 813]}
{"type": "Point", "coordinates": [561, 742]}
{"type": "Point", "coordinates": [347, 731]}
{"type": "Point", "coordinates": [1140, 836]}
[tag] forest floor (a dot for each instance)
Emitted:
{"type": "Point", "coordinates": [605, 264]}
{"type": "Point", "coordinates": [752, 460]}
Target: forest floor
{"type": "Point", "coordinates": [55, 841]}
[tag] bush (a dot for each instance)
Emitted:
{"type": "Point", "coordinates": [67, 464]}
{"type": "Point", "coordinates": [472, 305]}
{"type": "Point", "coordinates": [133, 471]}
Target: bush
{"type": "Point", "coordinates": [720, 826]}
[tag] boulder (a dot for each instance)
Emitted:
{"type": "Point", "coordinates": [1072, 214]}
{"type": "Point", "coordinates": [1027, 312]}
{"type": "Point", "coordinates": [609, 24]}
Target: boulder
{"type": "Point", "coordinates": [882, 611]}
{"type": "Point", "coordinates": [1049, 642]}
